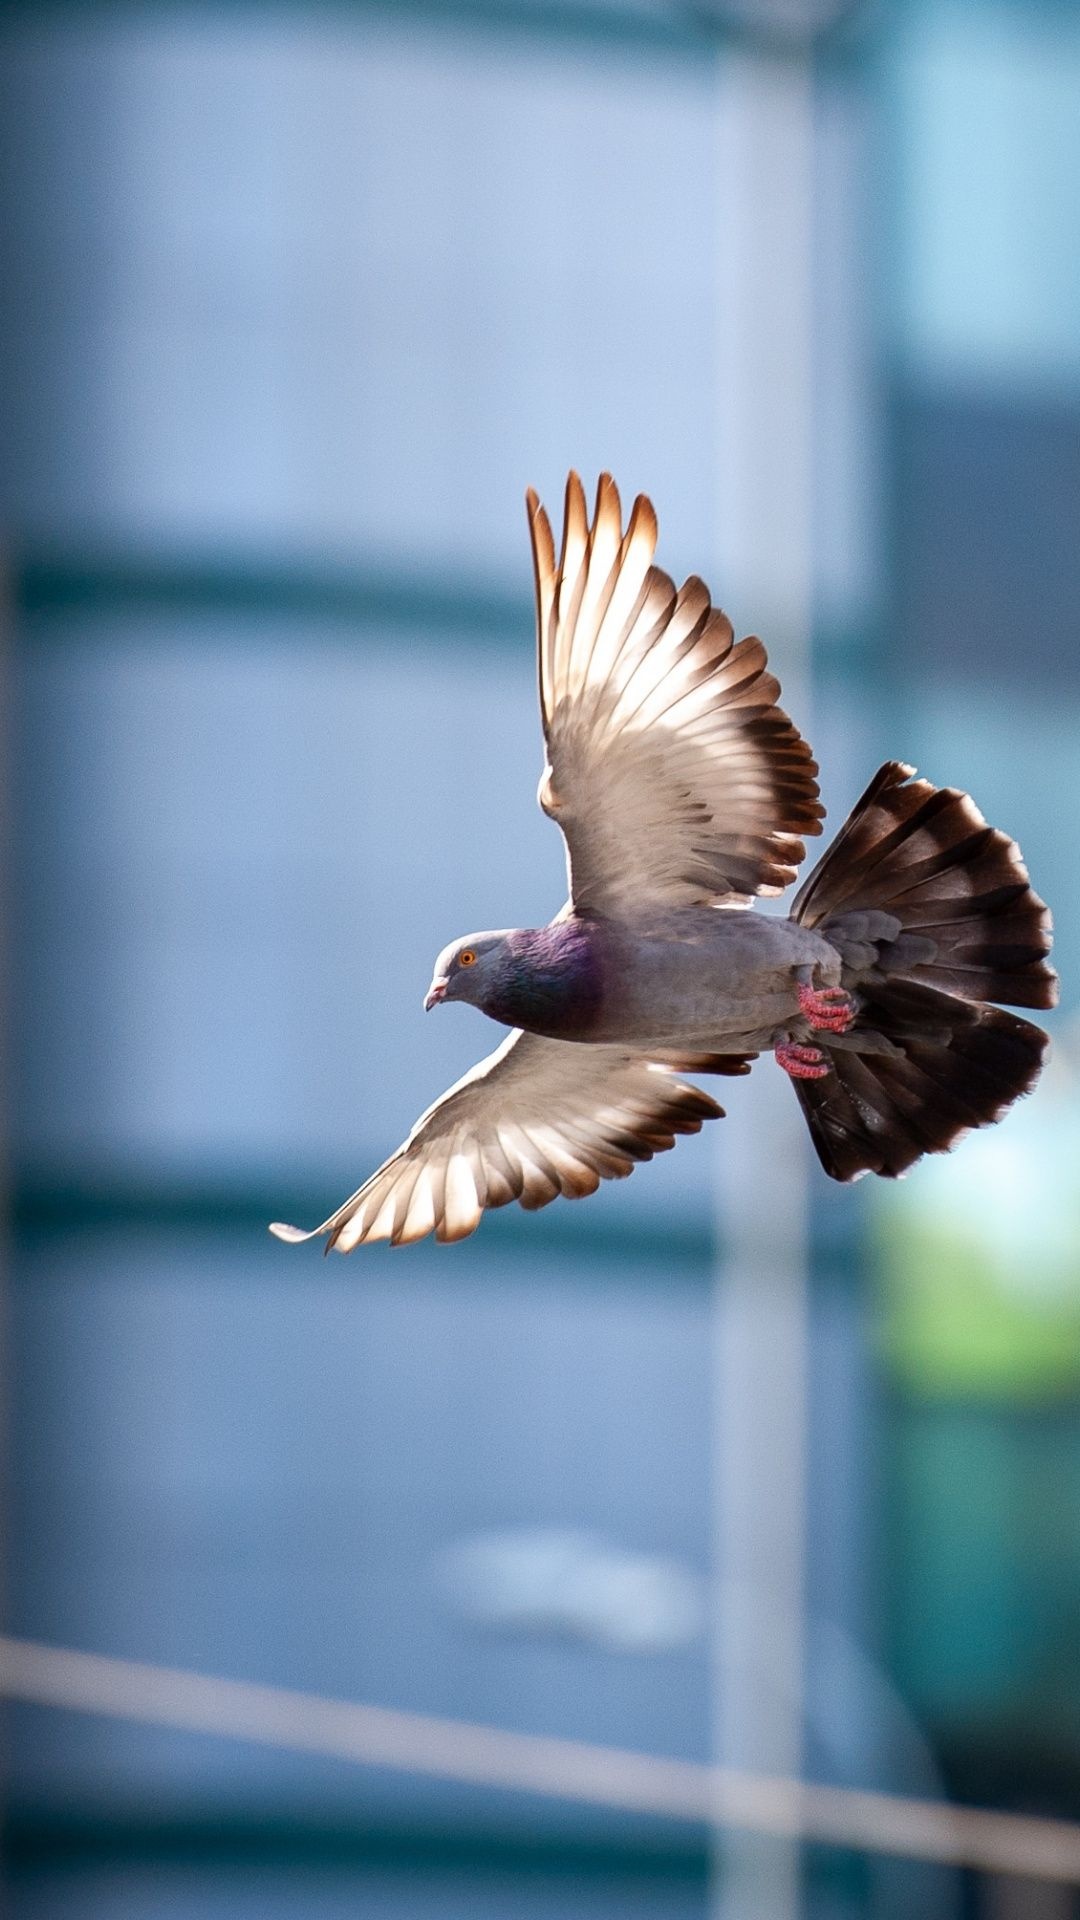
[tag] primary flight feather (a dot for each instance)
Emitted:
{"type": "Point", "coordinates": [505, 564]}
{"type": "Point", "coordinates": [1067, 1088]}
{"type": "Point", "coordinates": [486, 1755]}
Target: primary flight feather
{"type": "Point", "coordinates": [683, 791]}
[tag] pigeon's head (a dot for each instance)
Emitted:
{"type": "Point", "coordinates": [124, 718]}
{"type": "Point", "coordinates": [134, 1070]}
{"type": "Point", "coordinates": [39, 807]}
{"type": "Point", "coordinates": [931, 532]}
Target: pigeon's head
{"type": "Point", "coordinates": [467, 969]}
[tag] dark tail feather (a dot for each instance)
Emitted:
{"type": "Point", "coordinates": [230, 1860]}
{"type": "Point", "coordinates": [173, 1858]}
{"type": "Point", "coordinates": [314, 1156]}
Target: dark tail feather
{"type": "Point", "coordinates": [918, 1071]}
{"type": "Point", "coordinates": [934, 917]}
{"type": "Point", "coordinates": [917, 887]}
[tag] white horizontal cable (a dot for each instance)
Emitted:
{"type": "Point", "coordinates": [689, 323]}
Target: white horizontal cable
{"type": "Point", "coordinates": [532, 1763]}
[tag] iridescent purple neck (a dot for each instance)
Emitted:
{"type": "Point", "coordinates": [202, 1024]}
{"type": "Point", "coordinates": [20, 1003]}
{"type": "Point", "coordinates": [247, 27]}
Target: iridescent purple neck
{"type": "Point", "coordinates": [550, 981]}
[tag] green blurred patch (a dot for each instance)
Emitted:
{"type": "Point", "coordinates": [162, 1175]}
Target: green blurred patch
{"type": "Point", "coordinates": [978, 1259]}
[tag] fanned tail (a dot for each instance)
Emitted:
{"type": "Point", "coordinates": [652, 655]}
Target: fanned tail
{"type": "Point", "coordinates": [934, 917]}
{"type": "Point", "coordinates": [918, 1072]}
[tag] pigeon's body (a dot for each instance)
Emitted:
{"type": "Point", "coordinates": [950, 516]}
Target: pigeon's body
{"type": "Point", "coordinates": [723, 981]}
{"type": "Point", "coordinates": [683, 791]}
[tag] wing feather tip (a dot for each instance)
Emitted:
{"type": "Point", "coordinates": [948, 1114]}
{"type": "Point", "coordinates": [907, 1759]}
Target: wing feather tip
{"type": "Point", "coordinates": [293, 1235]}
{"type": "Point", "coordinates": [643, 518]}
{"type": "Point", "coordinates": [607, 500]}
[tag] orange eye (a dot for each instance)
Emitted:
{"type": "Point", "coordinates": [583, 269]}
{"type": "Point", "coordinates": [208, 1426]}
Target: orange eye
{"type": "Point", "coordinates": [466, 958]}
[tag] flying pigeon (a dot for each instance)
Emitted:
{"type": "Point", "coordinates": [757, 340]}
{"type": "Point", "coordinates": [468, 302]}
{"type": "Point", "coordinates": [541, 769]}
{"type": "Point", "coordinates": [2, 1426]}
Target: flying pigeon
{"type": "Point", "coordinates": [683, 792]}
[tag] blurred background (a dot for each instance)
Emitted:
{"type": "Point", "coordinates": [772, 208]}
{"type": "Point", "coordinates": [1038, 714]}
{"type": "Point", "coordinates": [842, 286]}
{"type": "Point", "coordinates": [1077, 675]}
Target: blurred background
{"type": "Point", "coordinates": [296, 300]}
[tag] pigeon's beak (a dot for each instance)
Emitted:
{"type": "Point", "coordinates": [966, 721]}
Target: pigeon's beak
{"type": "Point", "coordinates": [435, 993]}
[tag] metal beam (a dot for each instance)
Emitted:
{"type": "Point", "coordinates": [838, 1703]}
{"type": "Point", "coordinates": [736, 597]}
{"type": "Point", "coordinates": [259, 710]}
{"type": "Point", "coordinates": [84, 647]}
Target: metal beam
{"type": "Point", "coordinates": [46, 587]}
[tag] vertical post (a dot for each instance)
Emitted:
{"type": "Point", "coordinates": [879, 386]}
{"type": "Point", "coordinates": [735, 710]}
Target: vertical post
{"type": "Point", "coordinates": [764, 460]}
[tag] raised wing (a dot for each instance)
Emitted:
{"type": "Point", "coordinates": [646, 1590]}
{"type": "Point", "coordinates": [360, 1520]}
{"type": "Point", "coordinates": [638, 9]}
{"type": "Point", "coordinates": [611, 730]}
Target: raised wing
{"type": "Point", "coordinates": [535, 1119]}
{"type": "Point", "coordinates": [672, 772]}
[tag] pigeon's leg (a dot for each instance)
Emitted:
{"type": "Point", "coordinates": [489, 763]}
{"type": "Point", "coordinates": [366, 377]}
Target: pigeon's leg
{"type": "Point", "coordinates": [803, 1063]}
{"type": "Point", "coordinates": [831, 1009]}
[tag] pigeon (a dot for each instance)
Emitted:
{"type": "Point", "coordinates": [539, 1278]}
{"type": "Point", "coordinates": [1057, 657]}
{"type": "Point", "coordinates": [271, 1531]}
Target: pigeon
{"type": "Point", "coordinates": [683, 793]}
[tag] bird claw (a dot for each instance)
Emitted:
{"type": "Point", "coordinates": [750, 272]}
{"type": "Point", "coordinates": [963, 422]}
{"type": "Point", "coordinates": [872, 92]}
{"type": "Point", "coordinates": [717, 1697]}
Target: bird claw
{"type": "Point", "coordinates": [802, 1063]}
{"type": "Point", "coordinates": [831, 1009]}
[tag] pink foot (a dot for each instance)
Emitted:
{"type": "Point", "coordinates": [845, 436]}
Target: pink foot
{"type": "Point", "coordinates": [830, 1008]}
{"type": "Point", "coordinates": [803, 1063]}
